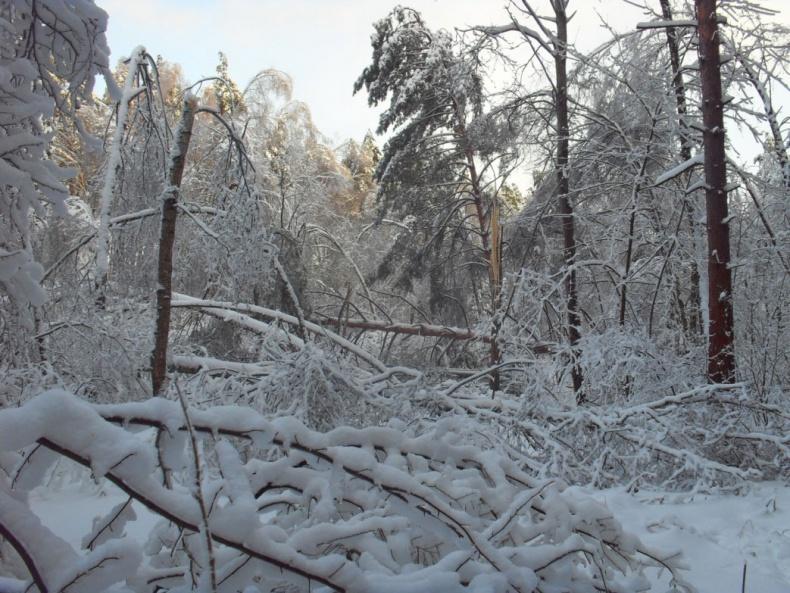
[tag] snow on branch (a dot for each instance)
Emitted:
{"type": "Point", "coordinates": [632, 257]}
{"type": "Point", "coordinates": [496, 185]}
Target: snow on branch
{"type": "Point", "coordinates": [497, 30]}
{"type": "Point", "coordinates": [694, 161]}
{"type": "Point", "coordinates": [663, 24]}
{"type": "Point", "coordinates": [221, 308]}
{"type": "Point", "coordinates": [664, 441]}
{"type": "Point", "coordinates": [411, 329]}
{"type": "Point", "coordinates": [418, 329]}
{"type": "Point", "coordinates": [113, 166]}
{"type": "Point", "coordinates": [195, 364]}
{"type": "Point", "coordinates": [356, 510]}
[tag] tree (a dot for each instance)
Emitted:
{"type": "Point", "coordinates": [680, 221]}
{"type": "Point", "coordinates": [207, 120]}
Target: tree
{"type": "Point", "coordinates": [556, 44]}
{"type": "Point", "coordinates": [695, 313]}
{"type": "Point", "coordinates": [227, 94]}
{"type": "Point", "coordinates": [721, 355]}
{"type": "Point", "coordinates": [167, 237]}
{"type": "Point", "coordinates": [440, 164]}
{"type": "Point", "coordinates": [760, 52]}
{"type": "Point", "coordinates": [44, 68]}
{"type": "Point", "coordinates": [361, 161]}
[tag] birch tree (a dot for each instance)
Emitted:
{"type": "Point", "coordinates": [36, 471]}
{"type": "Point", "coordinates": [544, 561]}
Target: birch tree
{"type": "Point", "coordinates": [44, 68]}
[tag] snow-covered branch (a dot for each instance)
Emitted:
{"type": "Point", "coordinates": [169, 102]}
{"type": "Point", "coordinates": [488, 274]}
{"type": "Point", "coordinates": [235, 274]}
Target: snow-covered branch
{"type": "Point", "coordinates": [696, 160]}
{"type": "Point", "coordinates": [352, 509]}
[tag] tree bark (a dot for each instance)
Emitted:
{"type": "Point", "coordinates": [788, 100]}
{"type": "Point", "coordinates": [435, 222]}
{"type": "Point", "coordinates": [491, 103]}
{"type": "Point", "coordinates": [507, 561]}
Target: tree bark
{"type": "Point", "coordinates": [563, 190]}
{"type": "Point", "coordinates": [721, 358]}
{"type": "Point", "coordinates": [167, 237]}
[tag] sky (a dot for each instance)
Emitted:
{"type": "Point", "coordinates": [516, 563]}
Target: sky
{"type": "Point", "coordinates": [322, 44]}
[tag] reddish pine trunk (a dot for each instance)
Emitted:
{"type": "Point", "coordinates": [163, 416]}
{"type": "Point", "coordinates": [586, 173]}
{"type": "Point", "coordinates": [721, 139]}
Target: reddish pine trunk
{"type": "Point", "coordinates": [167, 237]}
{"type": "Point", "coordinates": [721, 360]}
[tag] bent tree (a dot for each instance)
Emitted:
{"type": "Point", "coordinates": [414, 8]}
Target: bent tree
{"type": "Point", "coordinates": [439, 165]}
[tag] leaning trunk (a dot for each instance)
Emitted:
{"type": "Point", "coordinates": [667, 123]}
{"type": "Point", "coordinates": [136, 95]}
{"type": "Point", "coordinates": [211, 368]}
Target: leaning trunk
{"type": "Point", "coordinates": [113, 167]}
{"type": "Point", "coordinates": [167, 237]}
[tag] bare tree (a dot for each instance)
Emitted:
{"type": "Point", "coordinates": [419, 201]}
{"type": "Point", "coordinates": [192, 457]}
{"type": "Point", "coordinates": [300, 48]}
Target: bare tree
{"type": "Point", "coordinates": [164, 289]}
{"type": "Point", "coordinates": [556, 44]}
{"type": "Point", "coordinates": [563, 189]}
{"type": "Point", "coordinates": [679, 86]}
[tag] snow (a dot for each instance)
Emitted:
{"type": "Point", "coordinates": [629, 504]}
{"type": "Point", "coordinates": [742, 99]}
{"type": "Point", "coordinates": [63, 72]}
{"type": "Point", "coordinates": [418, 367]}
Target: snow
{"type": "Point", "coordinates": [662, 24]}
{"type": "Point", "coordinates": [436, 485]}
{"type": "Point", "coordinates": [697, 159]}
{"type": "Point", "coordinates": [448, 496]}
{"type": "Point", "coordinates": [718, 533]}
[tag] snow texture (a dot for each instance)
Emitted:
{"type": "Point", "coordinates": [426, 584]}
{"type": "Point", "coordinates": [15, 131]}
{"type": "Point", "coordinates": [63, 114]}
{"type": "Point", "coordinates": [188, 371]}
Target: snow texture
{"type": "Point", "coordinates": [348, 510]}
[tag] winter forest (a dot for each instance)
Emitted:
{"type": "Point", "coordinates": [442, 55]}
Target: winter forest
{"type": "Point", "coordinates": [530, 334]}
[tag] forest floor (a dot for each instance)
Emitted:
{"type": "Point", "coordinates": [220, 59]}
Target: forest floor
{"type": "Point", "coordinates": [717, 533]}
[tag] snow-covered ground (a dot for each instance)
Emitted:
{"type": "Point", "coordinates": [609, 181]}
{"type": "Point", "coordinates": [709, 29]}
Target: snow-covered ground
{"type": "Point", "coordinates": [718, 534]}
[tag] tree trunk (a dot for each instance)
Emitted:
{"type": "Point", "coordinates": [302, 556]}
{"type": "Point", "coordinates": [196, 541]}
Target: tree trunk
{"type": "Point", "coordinates": [113, 167]}
{"type": "Point", "coordinates": [563, 189]}
{"type": "Point", "coordinates": [721, 359]}
{"type": "Point", "coordinates": [629, 251]}
{"type": "Point", "coordinates": [167, 237]}
{"type": "Point", "coordinates": [695, 316]}
{"type": "Point", "coordinates": [490, 239]}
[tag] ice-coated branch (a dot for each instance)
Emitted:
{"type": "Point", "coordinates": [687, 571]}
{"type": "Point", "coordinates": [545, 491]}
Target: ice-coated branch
{"type": "Point", "coordinates": [695, 161]}
{"type": "Point", "coordinates": [205, 529]}
{"type": "Point", "coordinates": [21, 549]}
{"type": "Point", "coordinates": [664, 24]}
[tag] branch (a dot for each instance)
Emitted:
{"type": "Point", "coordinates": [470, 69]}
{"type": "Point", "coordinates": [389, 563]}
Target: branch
{"type": "Point", "coordinates": [494, 31]}
{"type": "Point", "coordinates": [30, 564]}
{"type": "Point", "coordinates": [181, 300]}
{"type": "Point", "coordinates": [664, 24]}
{"type": "Point", "coordinates": [697, 159]}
